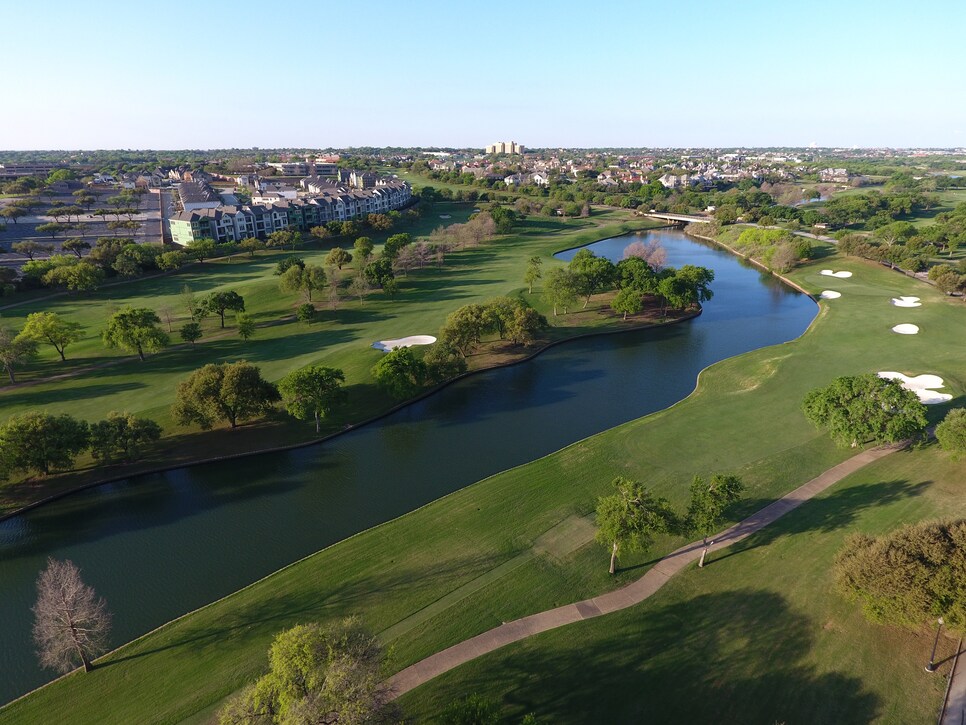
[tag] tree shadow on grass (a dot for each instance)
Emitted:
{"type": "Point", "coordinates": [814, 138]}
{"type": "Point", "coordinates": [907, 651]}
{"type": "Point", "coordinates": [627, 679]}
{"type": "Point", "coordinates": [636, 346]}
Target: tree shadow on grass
{"type": "Point", "coordinates": [825, 514]}
{"type": "Point", "coordinates": [730, 657]}
{"type": "Point", "coordinates": [313, 603]}
{"type": "Point", "coordinates": [38, 399]}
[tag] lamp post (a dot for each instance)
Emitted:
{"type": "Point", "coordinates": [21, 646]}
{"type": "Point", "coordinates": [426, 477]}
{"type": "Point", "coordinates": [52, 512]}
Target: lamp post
{"type": "Point", "coordinates": [931, 667]}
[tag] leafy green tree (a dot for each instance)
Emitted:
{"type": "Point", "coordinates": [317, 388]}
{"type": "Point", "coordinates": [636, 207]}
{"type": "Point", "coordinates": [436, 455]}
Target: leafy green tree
{"type": "Point", "coordinates": [284, 237]}
{"type": "Point", "coordinates": [708, 503]}
{"type": "Point", "coordinates": [305, 280]}
{"type": "Point", "coordinates": [634, 272]}
{"type": "Point", "coordinates": [135, 329]}
{"type": "Point", "coordinates": [232, 392]}
{"type": "Point", "coordinates": [400, 373]}
{"type": "Point", "coordinates": [313, 392]}
{"type": "Point", "coordinates": [951, 432]}
{"type": "Point", "coordinates": [172, 260]}
{"type": "Point", "coordinates": [859, 408]}
{"type": "Point", "coordinates": [41, 442]}
{"type": "Point", "coordinates": [218, 303]}
{"type": "Point", "coordinates": [190, 332]}
{"type": "Point", "coordinates": [593, 274]}
{"type": "Point", "coordinates": [909, 576]}
{"type": "Point", "coordinates": [533, 273]}
{"type": "Point", "coordinates": [395, 243]}
{"type": "Point", "coordinates": [630, 518]}
{"type": "Point", "coordinates": [560, 289]}
{"type": "Point", "coordinates": [13, 213]}
{"type": "Point", "coordinates": [246, 326]}
{"type": "Point", "coordinates": [627, 302]}
{"type": "Point", "coordinates": [330, 674]}
{"type": "Point", "coordinates": [466, 326]}
{"type": "Point", "coordinates": [443, 361]}
{"type": "Point", "coordinates": [29, 249]}
{"type": "Point", "coordinates": [15, 351]}
{"type": "Point", "coordinates": [320, 232]}
{"type": "Point", "coordinates": [77, 246]}
{"type": "Point", "coordinates": [79, 277]}
{"type": "Point", "coordinates": [51, 328]}
{"type": "Point", "coordinates": [379, 272]}
{"type": "Point", "coordinates": [338, 257]}
{"type": "Point", "coordinates": [251, 245]}
{"type": "Point", "coordinates": [283, 266]}
{"type": "Point", "coordinates": [201, 249]}
{"type": "Point", "coordinates": [363, 248]}
{"type": "Point", "coordinates": [53, 228]}
{"type": "Point", "coordinates": [122, 437]}
{"type": "Point", "coordinates": [305, 312]}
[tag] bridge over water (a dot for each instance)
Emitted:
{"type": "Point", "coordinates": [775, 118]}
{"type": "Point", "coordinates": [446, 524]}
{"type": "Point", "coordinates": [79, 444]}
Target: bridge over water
{"type": "Point", "coordinates": [679, 218]}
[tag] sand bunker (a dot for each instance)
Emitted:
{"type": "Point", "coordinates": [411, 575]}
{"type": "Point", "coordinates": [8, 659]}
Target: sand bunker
{"type": "Point", "coordinates": [445, 216]}
{"type": "Point", "coordinates": [840, 275]}
{"type": "Point", "coordinates": [830, 295]}
{"type": "Point", "coordinates": [906, 329]}
{"type": "Point", "coordinates": [921, 385]}
{"type": "Point", "coordinates": [906, 302]}
{"type": "Point", "coordinates": [387, 345]}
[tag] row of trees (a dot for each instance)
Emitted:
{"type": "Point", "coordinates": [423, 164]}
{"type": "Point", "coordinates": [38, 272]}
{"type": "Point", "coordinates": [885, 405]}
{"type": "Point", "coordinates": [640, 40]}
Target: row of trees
{"type": "Point", "coordinates": [43, 443]}
{"type": "Point", "coordinates": [639, 273]}
{"type": "Point", "coordinates": [630, 518]}
{"type": "Point", "coordinates": [511, 318]}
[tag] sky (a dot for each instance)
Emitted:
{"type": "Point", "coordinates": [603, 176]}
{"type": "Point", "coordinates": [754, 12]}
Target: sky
{"type": "Point", "coordinates": [545, 73]}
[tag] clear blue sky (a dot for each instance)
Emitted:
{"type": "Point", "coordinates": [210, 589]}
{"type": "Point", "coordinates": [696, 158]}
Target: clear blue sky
{"type": "Point", "coordinates": [318, 73]}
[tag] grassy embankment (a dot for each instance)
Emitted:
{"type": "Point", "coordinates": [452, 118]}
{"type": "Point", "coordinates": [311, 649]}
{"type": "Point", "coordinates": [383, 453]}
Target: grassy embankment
{"type": "Point", "coordinates": [757, 636]}
{"type": "Point", "coordinates": [99, 380]}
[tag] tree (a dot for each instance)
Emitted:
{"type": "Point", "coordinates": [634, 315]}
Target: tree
{"type": "Point", "coordinates": [320, 232]}
{"type": "Point", "coordinates": [395, 243]}
{"type": "Point", "coordinates": [627, 302]}
{"type": "Point", "coordinates": [533, 273]}
{"type": "Point", "coordinates": [42, 442]}
{"type": "Point", "coordinates": [53, 228]}
{"type": "Point", "coordinates": [122, 437]}
{"type": "Point", "coordinates": [465, 327]}
{"type": "Point", "coordinates": [560, 289]}
{"type": "Point", "coordinates": [363, 248]}
{"type": "Point", "coordinates": [909, 576]}
{"type": "Point", "coordinates": [312, 392]}
{"type": "Point", "coordinates": [135, 329]}
{"type": "Point", "coordinates": [77, 246]}
{"type": "Point", "coordinates": [708, 503]}
{"type": "Point", "coordinates": [51, 328]}
{"type": "Point", "coordinates": [400, 373]}
{"type": "Point", "coordinates": [338, 257]}
{"type": "Point", "coordinates": [523, 326]}
{"type": "Point", "coordinates": [305, 312]}
{"type": "Point", "coordinates": [951, 432]}
{"type": "Point", "coordinates": [251, 245]}
{"type": "Point", "coordinates": [218, 303]}
{"type": "Point", "coordinates": [228, 391]}
{"type": "Point", "coordinates": [172, 260]}
{"type": "Point", "coordinates": [330, 674]}
{"type": "Point", "coordinates": [29, 249]}
{"type": "Point", "coordinates": [283, 237]}
{"type": "Point", "coordinates": [15, 351]}
{"type": "Point", "coordinates": [190, 332]}
{"type": "Point", "coordinates": [246, 326]}
{"type": "Point", "coordinates": [653, 254]}
{"type": "Point", "coordinates": [201, 249]}
{"type": "Point", "coordinates": [304, 280]}
{"type": "Point", "coordinates": [79, 277]}
{"type": "Point", "coordinates": [630, 518]}
{"type": "Point", "coordinates": [360, 287]}
{"type": "Point", "coordinates": [13, 213]}
{"type": "Point", "coordinates": [71, 623]}
{"type": "Point", "coordinates": [283, 266]}
{"type": "Point", "coordinates": [859, 408]}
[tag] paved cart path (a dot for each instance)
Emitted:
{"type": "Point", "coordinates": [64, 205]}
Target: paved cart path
{"type": "Point", "coordinates": [635, 592]}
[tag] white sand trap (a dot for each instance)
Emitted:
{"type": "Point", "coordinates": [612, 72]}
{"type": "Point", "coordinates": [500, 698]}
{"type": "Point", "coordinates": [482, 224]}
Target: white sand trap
{"type": "Point", "coordinates": [830, 295]}
{"type": "Point", "coordinates": [906, 302]}
{"type": "Point", "coordinates": [906, 329]}
{"type": "Point", "coordinates": [445, 216]}
{"type": "Point", "coordinates": [921, 385]}
{"type": "Point", "coordinates": [840, 275]}
{"type": "Point", "coordinates": [387, 345]}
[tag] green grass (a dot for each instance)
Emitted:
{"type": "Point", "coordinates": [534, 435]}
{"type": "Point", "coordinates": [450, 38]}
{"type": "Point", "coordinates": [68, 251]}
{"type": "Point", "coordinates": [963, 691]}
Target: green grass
{"type": "Point", "coordinates": [758, 619]}
{"type": "Point", "coordinates": [116, 380]}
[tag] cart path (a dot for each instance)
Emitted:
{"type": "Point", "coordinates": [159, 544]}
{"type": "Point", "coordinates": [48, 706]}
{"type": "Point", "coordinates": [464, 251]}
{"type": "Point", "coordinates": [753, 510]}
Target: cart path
{"type": "Point", "coordinates": [635, 592]}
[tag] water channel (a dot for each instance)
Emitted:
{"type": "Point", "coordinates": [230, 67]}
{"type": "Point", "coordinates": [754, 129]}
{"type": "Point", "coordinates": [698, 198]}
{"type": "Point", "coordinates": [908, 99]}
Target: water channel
{"type": "Point", "coordinates": [158, 546]}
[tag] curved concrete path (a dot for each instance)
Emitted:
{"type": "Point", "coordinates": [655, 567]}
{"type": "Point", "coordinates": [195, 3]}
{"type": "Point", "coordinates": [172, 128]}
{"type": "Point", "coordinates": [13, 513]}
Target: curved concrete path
{"type": "Point", "coordinates": [634, 593]}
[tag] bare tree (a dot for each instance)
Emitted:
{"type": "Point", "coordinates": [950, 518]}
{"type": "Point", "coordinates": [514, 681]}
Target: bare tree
{"type": "Point", "coordinates": [71, 623]}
